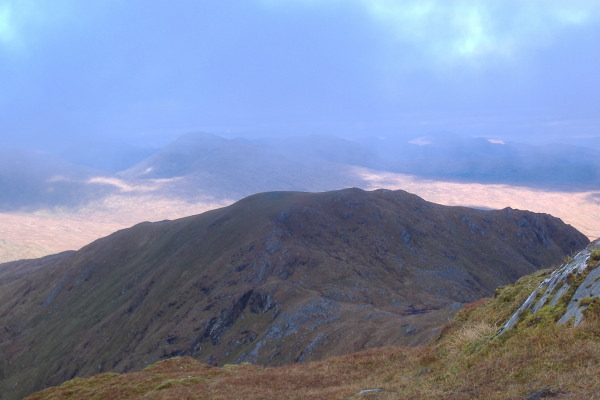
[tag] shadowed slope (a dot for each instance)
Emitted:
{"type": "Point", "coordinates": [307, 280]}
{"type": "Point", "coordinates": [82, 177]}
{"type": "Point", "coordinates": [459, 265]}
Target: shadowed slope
{"type": "Point", "coordinates": [273, 279]}
{"type": "Point", "coordinates": [536, 359]}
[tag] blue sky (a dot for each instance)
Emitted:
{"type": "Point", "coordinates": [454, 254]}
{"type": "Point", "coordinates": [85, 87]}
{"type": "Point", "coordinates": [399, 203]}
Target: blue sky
{"type": "Point", "coordinates": [147, 71]}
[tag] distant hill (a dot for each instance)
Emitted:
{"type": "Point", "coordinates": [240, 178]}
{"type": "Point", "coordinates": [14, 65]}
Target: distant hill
{"type": "Point", "coordinates": [204, 164]}
{"type": "Point", "coordinates": [208, 166]}
{"type": "Point", "coordinates": [472, 159]}
{"type": "Point", "coordinates": [322, 147]}
{"type": "Point", "coordinates": [275, 278]}
{"type": "Point", "coordinates": [202, 170]}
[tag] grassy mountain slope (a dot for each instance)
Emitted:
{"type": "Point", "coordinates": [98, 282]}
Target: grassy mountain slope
{"type": "Point", "coordinates": [273, 279]}
{"type": "Point", "coordinates": [466, 361]}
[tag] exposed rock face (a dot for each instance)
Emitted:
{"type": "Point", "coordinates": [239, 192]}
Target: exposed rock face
{"type": "Point", "coordinates": [576, 284]}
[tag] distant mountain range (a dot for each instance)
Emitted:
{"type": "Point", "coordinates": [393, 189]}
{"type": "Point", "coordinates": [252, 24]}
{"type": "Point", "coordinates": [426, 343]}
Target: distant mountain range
{"type": "Point", "coordinates": [207, 165]}
{"type": "Point", "coordinates": [202, 164]}
{"type": "Point", "coordinates": [65, 200]}
{"type": "Point", "coordinates": [561, 167]}
{"type": "Point", "coordinates": [275, 278]}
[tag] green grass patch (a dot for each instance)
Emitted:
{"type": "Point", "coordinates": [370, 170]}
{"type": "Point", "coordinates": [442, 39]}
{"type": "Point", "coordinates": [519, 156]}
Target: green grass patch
{"type": "Point", "coordinates": [594, 257]}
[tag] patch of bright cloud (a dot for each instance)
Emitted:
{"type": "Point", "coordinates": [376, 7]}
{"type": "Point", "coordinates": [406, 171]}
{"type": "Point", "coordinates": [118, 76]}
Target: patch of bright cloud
{"type": "Point", "coordinates": [422, 141]}
{"type": "Point", "coordinates": [123, 186]}
{"type": "Point", "coordinates": [25, 21]}
{"type": "Point", "coordinates": [496, 141]}
{"type": "Point", "coordinates": [467, 32]}
{"type": "Point", "coordinates": [7, 29]}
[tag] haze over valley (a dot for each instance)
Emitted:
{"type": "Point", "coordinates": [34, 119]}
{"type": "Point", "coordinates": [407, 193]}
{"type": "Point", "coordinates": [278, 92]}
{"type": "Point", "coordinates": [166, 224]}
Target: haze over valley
{"type": "Point", "coordinates": [100, 103]}
{"type": "Point", "coordinates": [50, 205]}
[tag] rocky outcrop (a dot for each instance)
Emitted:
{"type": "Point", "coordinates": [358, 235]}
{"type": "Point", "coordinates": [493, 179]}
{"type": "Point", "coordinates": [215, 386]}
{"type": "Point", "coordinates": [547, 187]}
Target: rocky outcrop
{"type": "Point", "coordinates": [572, 290]}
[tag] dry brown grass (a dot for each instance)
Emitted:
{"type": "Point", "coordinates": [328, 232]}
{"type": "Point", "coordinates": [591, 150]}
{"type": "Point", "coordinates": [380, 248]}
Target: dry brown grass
{"type": "Point", "coordinates": [467, 361]}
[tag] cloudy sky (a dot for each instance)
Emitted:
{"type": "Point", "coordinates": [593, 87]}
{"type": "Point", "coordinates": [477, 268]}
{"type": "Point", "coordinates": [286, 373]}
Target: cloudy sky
{"type": "Point", "coordinates": [148, 71]}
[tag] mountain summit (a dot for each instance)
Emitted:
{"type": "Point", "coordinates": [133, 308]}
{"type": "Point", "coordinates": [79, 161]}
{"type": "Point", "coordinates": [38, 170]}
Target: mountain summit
{"type": "Point", "coordinates": [275, 278]}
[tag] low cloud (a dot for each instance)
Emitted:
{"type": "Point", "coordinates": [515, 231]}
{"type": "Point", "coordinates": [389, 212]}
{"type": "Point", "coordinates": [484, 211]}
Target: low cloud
{"type": "Point", "coordinates": [496, 141]}
{"type": "Point", "coordinates": [422, 141]}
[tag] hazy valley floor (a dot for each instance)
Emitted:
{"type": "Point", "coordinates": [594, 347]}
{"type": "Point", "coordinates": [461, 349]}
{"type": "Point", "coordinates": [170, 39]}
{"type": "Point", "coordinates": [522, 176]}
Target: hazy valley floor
{"type": "Point", "coordinates": [35, 234]}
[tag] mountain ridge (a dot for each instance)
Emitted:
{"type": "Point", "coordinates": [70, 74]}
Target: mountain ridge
{"type": "Point", "coordinates": [275, 278]}
{"type": "Point", "coordinates": [202, 171]}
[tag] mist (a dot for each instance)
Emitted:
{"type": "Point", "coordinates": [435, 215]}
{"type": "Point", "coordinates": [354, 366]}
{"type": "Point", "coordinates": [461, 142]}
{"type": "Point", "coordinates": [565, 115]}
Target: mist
{"type": "Point", "coordinates": [143, 74]}
{"type": "Point", "coordinates": [113, 113]}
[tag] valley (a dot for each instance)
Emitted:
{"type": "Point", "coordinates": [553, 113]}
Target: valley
{"type": "Point", "coordinates": [49, 231]}
{"type": "Point", "coordinates": [49, 205]}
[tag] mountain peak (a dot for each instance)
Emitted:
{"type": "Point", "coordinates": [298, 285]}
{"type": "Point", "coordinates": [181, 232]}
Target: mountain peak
{"type": "Point", "coordinates": [275, 278]}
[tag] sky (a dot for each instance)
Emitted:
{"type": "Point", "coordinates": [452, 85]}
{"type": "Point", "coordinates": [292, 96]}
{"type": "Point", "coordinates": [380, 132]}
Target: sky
{"type": "Point", "coordinates": [148, 71]}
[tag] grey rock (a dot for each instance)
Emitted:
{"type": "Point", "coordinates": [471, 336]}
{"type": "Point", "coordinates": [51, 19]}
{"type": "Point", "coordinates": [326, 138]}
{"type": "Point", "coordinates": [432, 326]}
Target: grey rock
{"type": "Point", "coordinates": [366, 391]}
{"type": "Point", "coordinates": [550, 291]}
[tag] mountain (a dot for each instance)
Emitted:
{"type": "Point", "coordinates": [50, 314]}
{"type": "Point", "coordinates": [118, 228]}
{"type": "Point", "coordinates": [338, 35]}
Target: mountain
{"type": "Point", "coordinates": [275, 278]}
{"type": "Point", "coordinates": [322, 147]}
{"type": "Point", "coordinates": [207, 165]}
{"type": "Point", "coordinates": [201, 170]}
{"type": "Point", "coordinates": [103, 156]}
{"type": "Point", "coordinates": [534, 359]}
{"type": "Point", "coordinates": [201, 165]}
{"type": "Point", "coordinates": [473, 159]}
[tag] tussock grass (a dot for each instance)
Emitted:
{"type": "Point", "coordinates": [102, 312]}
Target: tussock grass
{"type": "Point", "coordinates": [594, 258]}
{"type": "Point", "coordinates": [467, 360]}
